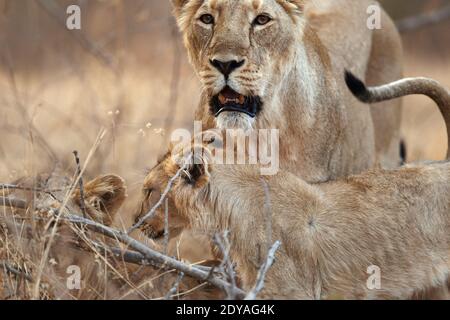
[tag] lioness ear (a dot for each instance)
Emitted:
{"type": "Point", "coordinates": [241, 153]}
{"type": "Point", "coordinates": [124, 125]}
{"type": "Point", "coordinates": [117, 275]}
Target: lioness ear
{"type": "Point", "coordinates": [293, 7]}
{"type": "Point", "coordinates": [299, 3]}
{"type": "Point", "coordinates": [178, 6]}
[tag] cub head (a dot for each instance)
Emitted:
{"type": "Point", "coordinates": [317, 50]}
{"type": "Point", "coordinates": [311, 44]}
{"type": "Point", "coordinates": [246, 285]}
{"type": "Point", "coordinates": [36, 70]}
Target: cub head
{"type": "Point", "coordinates": [103, 197]}
{"type": "Point", "coordinates": [191, 167]}
{"type": "Point", "coordinates": [241, 50]}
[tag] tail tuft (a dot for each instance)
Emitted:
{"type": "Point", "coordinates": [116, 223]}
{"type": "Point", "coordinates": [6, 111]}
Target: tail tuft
{"type": "Point", "coordinates": [357, 87]}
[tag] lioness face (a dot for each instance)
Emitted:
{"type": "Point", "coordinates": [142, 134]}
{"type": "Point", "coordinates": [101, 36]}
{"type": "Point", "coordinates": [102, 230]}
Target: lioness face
{"type": "Point", "coordinates": [240, 50]}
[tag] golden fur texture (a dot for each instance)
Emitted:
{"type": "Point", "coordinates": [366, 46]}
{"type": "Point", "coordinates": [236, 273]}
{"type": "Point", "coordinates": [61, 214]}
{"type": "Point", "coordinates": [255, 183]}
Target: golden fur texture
{"type": "Point", "coordinates": [295, 63]}
{"type": "Point", "coordinates": [331, 233]}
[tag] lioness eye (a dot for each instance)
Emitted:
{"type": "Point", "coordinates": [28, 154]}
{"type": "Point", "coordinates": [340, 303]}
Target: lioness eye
{"type": "Point", "coordinates": [262, 19]}
{"type": "Point", "coordinates": [207, 19]}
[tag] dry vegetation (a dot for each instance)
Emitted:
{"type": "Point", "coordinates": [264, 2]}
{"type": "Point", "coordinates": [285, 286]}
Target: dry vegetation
{"type": "Point", "coordinates": [126, 74]}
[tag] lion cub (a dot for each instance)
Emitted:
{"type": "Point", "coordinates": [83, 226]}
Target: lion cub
{"type": "Point", "coordinates": [337, 237]}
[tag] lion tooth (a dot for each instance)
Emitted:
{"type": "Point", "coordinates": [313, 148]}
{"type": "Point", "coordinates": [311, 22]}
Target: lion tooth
{"type": "Point", "coordinates": [241, 99]}
{"type": "Point", "coordinates": [222, 99]}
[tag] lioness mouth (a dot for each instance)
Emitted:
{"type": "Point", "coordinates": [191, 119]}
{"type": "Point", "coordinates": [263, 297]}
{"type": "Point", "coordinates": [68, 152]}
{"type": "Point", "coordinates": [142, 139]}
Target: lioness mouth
{"type": "Point", "coordinates": [230, 100]}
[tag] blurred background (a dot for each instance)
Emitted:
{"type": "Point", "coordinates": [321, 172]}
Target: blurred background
{"type": "Point", "coordinates": [126, 71]}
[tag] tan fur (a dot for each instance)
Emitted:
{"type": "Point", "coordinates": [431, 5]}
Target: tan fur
{"type": "Point", "coordinates": [296, 65]}
{"type": "Point", "coordinates": [398, 220]}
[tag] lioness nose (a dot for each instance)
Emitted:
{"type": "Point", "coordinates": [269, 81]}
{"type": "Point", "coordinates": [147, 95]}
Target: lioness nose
{"type": "Point", "coordinates": [227, 67]}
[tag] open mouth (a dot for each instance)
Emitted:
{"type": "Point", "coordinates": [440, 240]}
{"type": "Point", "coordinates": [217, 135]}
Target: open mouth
{"type": "Point", "coordinates": [229, 100]}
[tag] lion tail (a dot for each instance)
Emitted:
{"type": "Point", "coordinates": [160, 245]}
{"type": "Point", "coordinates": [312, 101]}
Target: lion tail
{"type": "Point", "coordinates": [401, 88]}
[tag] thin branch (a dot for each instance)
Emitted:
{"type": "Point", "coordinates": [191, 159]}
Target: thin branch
{"type": "Point", "coordinates": [80, 182]}
{"type": "Point", "coordinates": [166, 227]}
{"type": "Point", "coordinates": [175, 287]}
{"type": "Point", "coordinates": [137, 258]}
{"type": "Point", "coordinates": [226, 266]}
{"type": "Point", "coordinates": [13, 203]}
{"type": "Point", "coordinates": [151, 255]}
{"type": "Point", "coordinates": [262, 272]}
{"type": "Point", "coordinates": [10, 269]}
{"type": "Point", "coordinates": [423, 20]}
{"type": "Point", "coordinates": [18, 187]}
{"type": "Point", "coordinates": [152, 212]}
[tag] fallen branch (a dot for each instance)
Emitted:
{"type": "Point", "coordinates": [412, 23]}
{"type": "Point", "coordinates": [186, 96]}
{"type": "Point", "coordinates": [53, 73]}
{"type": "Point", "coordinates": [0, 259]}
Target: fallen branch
{"type": "Point", "coordinates": [151, 255]}
{"type": "Point", "coordinates": [262, 272]}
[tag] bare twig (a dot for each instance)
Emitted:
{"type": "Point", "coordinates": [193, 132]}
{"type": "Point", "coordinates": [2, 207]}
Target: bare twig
{"type": "Point", "coordinates": [152, 212]}
{"type": "Point", "coordinates": [416, 22]}
{"type": "Point", "coordinates": [262, 272]}
{"type": "Point", "coordinates": [151, 255]}
{"type": "Point", "coordinates": [226, 266]}
{"type": "Point", "coordinates": [10, 269]}
{"type": "Point", "coordinates": [18, 187]}
{"type": "Point", "coordinates": [14, 203]}
{"type": "Point", "coordinates": [80, 182]}
{"type": "Point", "coordinates": [175, 287]}
{"type": "Point", "coordinates": [166, 227]}
{"type": "Point", "coordinates": [139, 259]}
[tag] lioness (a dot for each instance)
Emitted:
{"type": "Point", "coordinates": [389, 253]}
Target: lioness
{"type": "Point", "coordinates": [394, 221]}
{"type": "Point", "coordinates": [278, 64]}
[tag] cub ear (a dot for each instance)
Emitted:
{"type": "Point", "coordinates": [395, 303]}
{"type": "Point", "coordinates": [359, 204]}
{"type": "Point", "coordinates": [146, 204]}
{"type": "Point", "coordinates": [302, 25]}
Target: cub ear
{"type": "Point", "coordinates": [103, 197]}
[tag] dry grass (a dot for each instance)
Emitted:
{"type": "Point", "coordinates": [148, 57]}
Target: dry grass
{"type": "Point", "coordinates": [56, 97]}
